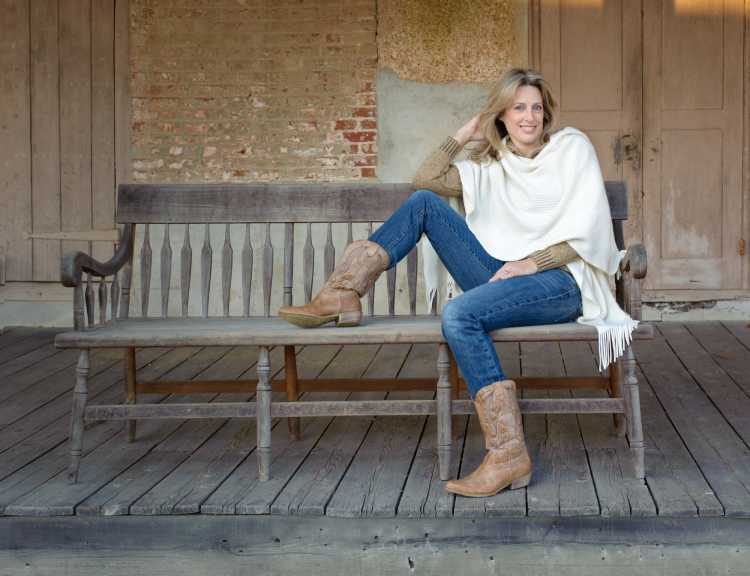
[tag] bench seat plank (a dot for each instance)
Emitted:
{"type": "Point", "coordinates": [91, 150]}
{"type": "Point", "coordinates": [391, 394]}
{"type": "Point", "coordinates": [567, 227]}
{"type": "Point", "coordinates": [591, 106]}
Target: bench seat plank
{"type": "Point", "coordinates": [149, 332]}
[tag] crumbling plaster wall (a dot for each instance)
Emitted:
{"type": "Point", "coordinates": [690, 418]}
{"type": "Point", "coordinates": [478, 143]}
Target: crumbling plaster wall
{"type": "Point", "coordinates": [436, 62]}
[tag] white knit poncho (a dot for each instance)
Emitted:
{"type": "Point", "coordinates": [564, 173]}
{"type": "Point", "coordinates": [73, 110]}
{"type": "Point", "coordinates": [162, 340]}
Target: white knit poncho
{"type": "Point", "coordinates": [518, 205]}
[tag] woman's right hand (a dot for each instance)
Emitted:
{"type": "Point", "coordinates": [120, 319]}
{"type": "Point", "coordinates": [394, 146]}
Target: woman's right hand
{"type": "Point", "coordinates": [469, 132]}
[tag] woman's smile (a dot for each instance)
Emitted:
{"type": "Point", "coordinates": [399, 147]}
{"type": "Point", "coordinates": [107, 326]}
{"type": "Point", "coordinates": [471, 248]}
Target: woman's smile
{"type": "Point", "coordinates": [524, 120]}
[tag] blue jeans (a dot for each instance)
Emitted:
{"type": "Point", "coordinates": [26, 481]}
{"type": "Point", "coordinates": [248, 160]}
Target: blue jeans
{"type": "Point", "coordinates": [546, 297]}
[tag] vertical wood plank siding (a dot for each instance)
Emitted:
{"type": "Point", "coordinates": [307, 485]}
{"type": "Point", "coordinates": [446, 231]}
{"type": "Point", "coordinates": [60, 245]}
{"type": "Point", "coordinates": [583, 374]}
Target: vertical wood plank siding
{"type": "Point", "coordinates": [62, 80]}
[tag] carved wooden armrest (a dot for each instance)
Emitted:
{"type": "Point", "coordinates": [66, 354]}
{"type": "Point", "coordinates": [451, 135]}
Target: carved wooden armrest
{"type": "Point", "coordinates": [635, 261]}
{"type": "Point", "coordinates": [633, 267]}
{"type": "Point", "coordinates": [74, 264]}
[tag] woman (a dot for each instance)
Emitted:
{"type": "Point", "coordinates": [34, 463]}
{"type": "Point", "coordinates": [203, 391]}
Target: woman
{"type": "Point", "coordinates": [536, 247]}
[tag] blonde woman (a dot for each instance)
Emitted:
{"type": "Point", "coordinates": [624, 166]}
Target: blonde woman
{"type": "Point", "coordinates": [536, 247]}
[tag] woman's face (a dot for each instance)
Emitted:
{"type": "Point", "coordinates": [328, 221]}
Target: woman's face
{"type": "Point", "coordinates": [524, 119]}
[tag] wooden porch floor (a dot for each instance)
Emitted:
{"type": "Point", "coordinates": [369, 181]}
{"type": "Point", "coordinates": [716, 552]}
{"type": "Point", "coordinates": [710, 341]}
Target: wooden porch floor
{"type": "Point", "coordinates": [695, 393]}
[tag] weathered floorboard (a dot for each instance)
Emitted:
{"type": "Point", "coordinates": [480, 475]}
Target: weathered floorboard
{"type": "Point", "coordinates": [618, 491]}
{"type": "Point", "coordinates": [117, 496]}
{"type": "Point", "coordinates": [28, 438]}
{"type": "Point", "coordinates": [372, 484]}
{"type": "Point", "coordinates": [692, 391]}
{"type": "Point", "coordinates": [312, 486]}
{"type": "Point", "coordinates": [242, 492]}
{"type": "Point", "coordinates": [26, 343]}
{"type": "Point", "coordinates": [720, 453]}
{"type": "Point", "coordinates": [59, 497]}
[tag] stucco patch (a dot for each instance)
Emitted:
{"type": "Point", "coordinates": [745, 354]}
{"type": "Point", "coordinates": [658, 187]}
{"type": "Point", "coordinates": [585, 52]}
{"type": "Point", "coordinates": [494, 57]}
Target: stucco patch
{"type": "Point", "coordinates": [450, 40]}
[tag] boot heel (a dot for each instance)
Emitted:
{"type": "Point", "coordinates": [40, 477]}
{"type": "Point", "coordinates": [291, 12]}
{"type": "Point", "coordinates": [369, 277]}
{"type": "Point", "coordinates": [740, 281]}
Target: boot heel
{"type": "Point", "coordinates": [521, 482]}
{"type": "Point", "coordinates": [349, 319]}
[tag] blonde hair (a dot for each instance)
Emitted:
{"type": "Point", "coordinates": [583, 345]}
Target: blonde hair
{"type": "Point", "coordinates": [500, 99]}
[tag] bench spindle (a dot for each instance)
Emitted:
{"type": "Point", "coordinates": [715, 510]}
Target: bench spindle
{"type": "Point", "coordinates": [90, 301]}
{"type": "Point", "coordinates": [371, 292]}
{"type": "Point", "coordinates": [227, 255]}
{"type": "Point", "coordinates": [288, 262]}
{"type": "Point", "coordinates": [411, 274]}
{"type": "Point", "coordinates": [308, 263]}
{"type": "Point", "coordinates": [391, 275]}
{"type": "Point", "coordinates": [329, 254]}
{"type": "Point", "coordinates": [166, 271]}
{"type": "Point", "coordinates": [247, 270]}
{"type": "Point", "coordinates": [186, 267]}
{"type": "Point", "coordinates": [146, 270]}
{"type": "Point", "coordinates": [102, 301]}
{"type": "Point", "coordinates": [267, 271]}
{"type": "Point", "coordinates": [78, 314]}
{"type": "Point", "coordinates": [206, 264]}
{"type": "Point", "coordinates": [114, 300]}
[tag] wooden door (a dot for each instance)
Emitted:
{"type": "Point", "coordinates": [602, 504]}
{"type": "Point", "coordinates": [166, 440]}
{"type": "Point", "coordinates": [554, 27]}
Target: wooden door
{"type": "Point", "coordinates": [63, 111]}
{"type": "Point", "coordinates": [693, 145]}
{"type": "Point", "coordinates": [590, 52]}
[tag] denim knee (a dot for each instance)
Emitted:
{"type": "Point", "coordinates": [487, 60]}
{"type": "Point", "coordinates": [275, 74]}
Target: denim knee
{"type": "Point", "coordinates": [423, 196]}
{"type": "Point", "coordinates": [455, 319]}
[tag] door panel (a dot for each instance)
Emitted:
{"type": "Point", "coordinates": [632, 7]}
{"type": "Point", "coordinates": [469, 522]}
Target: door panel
{"type": "Point", "coordinates": [590, 52]}
{"type": "Point", "coordinates": [693, 133]}
{"type": "Point", "coordinates": [57, 89]}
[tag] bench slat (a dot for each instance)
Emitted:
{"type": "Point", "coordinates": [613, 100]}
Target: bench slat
{"type": "Point", "coordinates": [280, 202]}
{"type": "Point", "coordinates": [253, 331]}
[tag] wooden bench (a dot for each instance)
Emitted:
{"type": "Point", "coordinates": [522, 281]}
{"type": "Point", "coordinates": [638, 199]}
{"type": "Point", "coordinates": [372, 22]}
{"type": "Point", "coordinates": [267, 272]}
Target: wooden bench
{"type": "Point", "coordinates": [104, 317]}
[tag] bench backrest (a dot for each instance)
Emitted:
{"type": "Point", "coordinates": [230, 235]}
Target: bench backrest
{"type": "Point", "coordinates": [236, 246]}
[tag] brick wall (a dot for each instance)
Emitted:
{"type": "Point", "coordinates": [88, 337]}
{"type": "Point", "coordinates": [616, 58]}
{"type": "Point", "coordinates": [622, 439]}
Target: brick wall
{"type": "Point", "coordinates": [253, 89]}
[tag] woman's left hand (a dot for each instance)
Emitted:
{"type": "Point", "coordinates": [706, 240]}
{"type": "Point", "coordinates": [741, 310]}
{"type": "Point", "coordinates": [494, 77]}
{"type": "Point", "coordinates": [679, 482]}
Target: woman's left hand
{"type": "Point", "coordinates": [517, 268]}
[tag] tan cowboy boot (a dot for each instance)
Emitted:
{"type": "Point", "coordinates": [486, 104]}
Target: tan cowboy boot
{"type": "Point", "coordinates": [507, 462]}
{"type": "Point", "coordinates": [338, 300]}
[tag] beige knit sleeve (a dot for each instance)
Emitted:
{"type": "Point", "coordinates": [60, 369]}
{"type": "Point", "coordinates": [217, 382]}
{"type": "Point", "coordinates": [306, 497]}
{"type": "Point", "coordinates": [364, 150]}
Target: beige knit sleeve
{"type": "Point", "coordinates": [437, 173]}
{"type": "Point", "coordinates": [553, 257]}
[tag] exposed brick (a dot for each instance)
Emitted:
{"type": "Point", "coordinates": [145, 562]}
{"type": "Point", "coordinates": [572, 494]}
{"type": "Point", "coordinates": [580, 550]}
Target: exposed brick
{"type": "Point", "coordinates": [345, 125]}
{"type": "Point", "coordinates": [361, 136]}
{"type": "Point", "coordinates": [366, 161]}
{"type": "Point", "coordinates": [368, 112]}
{"type": "Point", "coordinates": [253, 91]}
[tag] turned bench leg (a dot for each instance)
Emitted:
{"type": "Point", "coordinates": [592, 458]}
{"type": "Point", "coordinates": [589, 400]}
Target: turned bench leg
{"type": "Point", "coordinates": [616, 391]}
{"type": "Point", "coordinates": [292, 391]}
{"type": "Point", "coordinates": [455, 383]}
{"type": "Point", "coordinates": [633, 414]}
{"type": "Point", "coordinates": [263, 414]}
{"type": "Point", "coordinates": [130, 391]}
{"type": "Point", "coordinates": [80, 395]}
{"type": "Point", "coordinates": [444, 394]}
